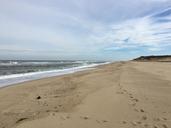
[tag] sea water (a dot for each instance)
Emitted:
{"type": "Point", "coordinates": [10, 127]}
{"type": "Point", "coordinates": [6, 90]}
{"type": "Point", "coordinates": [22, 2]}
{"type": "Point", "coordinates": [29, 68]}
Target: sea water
{"type": "Point", "coordinates": [17, 71]}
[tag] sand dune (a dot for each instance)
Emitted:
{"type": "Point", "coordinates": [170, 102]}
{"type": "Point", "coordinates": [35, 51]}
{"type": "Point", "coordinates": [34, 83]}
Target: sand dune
{"type": "Point", "coordinates": [161, 58]}
{"type": "Point", "coordinates": [118, 95]}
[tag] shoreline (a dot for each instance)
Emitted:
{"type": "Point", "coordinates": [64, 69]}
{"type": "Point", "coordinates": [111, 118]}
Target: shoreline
{"type": "Point", "coordinates": [14, 79]}
{"type": "Point", "coordinates": [120, 94]}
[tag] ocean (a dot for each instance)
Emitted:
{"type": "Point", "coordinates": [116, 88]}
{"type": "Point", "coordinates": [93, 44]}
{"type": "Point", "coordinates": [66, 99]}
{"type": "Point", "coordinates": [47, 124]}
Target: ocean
{"type": "Point", "coordinates": [17, 71]}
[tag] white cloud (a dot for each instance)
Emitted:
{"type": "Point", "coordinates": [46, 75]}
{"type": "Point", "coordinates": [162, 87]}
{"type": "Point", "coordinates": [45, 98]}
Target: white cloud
{"type": "Point", "coordinates": [144, 32]}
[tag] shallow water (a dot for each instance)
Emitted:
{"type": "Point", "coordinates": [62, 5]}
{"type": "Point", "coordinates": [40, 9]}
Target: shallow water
{"type": "Point", "coordinates": [12, 72]}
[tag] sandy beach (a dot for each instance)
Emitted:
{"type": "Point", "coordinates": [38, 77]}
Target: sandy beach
{"type": "Point", "coordinates": [118, 95]}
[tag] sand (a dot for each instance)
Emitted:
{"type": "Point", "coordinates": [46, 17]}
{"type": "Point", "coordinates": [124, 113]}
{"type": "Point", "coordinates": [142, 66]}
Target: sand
{"type": "Point", "coordinates": [118, 95]}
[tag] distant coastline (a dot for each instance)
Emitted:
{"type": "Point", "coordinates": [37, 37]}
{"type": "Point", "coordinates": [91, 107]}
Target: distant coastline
{"type": "Point", "coordinates": [157, 58]}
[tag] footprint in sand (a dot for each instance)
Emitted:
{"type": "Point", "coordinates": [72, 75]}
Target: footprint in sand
{"type": "Point", "coordinates": [136, 100]}
{"type": "Point", "coordinates": [55, 107]}
{"type": "Point", "coordinates": [124, 122]}
{"type": "Point", "coordinates": [104, 121]}
{"type": "Point", "coordinates": [144, 117]}
{"type": "Point", "coordinates": [164, 126]}
{"type": "Point", "coordinates": [141, 124]}
{"type": "Point", "coordinates": [157, 119]}
{"type": "Point", "coordinates": [125, 91]}
{"type": "Point", "coordinates": [146, 125]}
{"type": "Point", "coordinates": [164, 118]}
{"type": "Point", "coordinates": [68, 117]}
{"type": "Point", "coordinates": [60, 105]}
{"type": "Point", "coordinates": [84, 117]}
{"type": "Point", "coordinates": [138, 122]}
{"type": "Point", "coordinates": [131, 97]}
{"type": "Point", "coordinates": [141, 110]}
{"type": "Point", "coordinates": [160, 119]}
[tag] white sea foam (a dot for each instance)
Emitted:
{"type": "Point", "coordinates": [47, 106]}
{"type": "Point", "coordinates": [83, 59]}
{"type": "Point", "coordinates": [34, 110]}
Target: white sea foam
{"type": "Point", "coordinates": [19, 78]}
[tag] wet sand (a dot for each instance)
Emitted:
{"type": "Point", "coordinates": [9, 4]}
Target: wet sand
{"type": "Point", "coordinates": [118, 95]}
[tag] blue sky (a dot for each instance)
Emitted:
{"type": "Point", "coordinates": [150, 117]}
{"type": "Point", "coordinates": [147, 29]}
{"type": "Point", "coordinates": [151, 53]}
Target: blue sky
{"type": "Point", "coordinates": [84, 29]}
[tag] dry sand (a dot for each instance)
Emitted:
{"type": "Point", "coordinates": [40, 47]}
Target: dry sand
{"type": "Point", "coordinates": [118, 95]}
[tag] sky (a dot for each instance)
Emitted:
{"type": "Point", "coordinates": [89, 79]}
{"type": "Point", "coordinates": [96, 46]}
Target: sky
{"type": "Point", "coordinates": [84, 29]}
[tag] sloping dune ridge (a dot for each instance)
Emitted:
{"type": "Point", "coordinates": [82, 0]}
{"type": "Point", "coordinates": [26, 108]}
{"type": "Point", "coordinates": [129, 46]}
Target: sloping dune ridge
{"type": "Point", "coordinates": [118, 95]}
{"type": "Point", "coordinates": [161, 58]}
